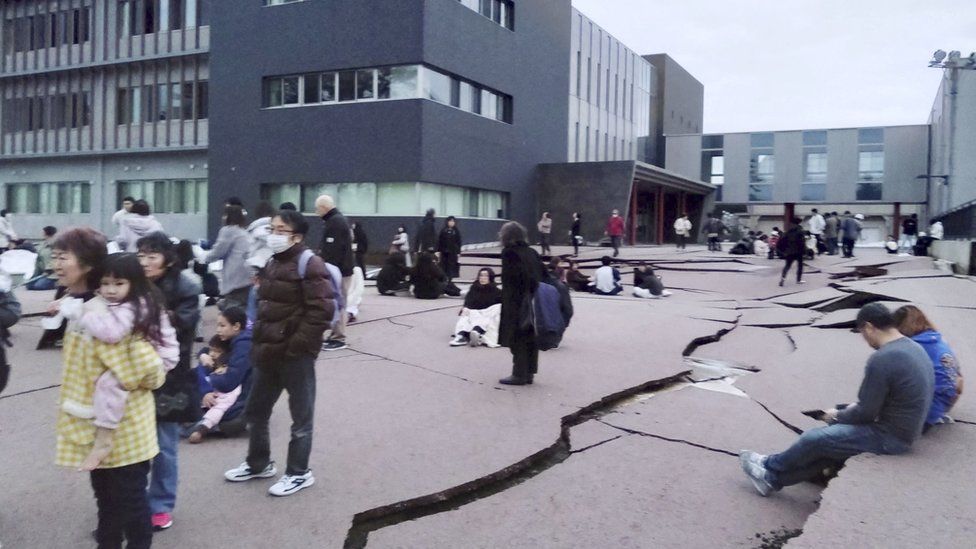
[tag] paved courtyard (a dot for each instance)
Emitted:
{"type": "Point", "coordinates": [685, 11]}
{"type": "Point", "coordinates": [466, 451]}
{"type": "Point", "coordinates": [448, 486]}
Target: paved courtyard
{"type": "Point", "coordinates": [627, 438]}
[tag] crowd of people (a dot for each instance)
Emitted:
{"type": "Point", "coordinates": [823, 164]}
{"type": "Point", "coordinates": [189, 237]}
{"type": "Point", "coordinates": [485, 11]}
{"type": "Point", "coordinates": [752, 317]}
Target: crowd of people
{"type": "Point", "coordinates": [132, 386]}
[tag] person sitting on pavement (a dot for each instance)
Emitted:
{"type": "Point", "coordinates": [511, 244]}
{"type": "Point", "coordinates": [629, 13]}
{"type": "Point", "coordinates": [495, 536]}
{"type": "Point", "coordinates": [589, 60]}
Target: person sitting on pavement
{"type": "Point", "coordinates": [761, 246]}
{"type": "Point", "coordinates": [773, 241]}
{"type": "Point", "coordinates": [478, 320]}
{"type": "Point", "coordinates": [429, 281]}
{"type": "Point", "coordinates": [576, 280]}
{"type": "Point", "coordinates": [606, 280]}
{"type": "Point", "coordinates": [744, 246]}
{"type": "Point", "coordinates": [393, 277]}
{"type": "Point", "coordinates": [44, 277]}
{"type": "Point", "coordinates": [230, 380]}
{"type": "Point", "coordinates": [647, 284]}
{"type": "Point", "coordinates": [913, 323]}
{"type": "Point", "coordinates": [892, 404]}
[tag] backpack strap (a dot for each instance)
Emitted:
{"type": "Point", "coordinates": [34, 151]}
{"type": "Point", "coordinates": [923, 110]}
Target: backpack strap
{"type": "Point", "coordinates": [303, 262]}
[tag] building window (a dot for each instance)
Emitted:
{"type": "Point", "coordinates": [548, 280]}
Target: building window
{"type": "Point", "coordinates": [280, 2]}
{"type": "Point", "coordinates": [713, 162]}
{"type": "Point", "coordinates": [61, 197]}
{"type": "Point", "coordinates": [138, 17]}
{"type": "Point", "coordinates": [49, 27]}
{"type": "Point", "coordinates": [167, 196]}
{"type": "Point", "coordinates": [392, 199]}
{"type": "Point", "coordinates": [501, 12]}
{"type": "Point", "coordinates": [870, 163]}
{"type": "Point", "coordinates": [388, 83]}
{"type": "Point", "coordinates": [814, 186]}
{"type": "Point", "coordinates": [155, 103]}
{"type": "Point", "coordinates": [762, 167]}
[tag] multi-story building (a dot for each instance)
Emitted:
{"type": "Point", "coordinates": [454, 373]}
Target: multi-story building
{"type": "Point", "coordinates": [952, 170]}
{"type": "Point", "coordinates": [103, 99]}
{"type": "Point", "coordinates": [765, 177]}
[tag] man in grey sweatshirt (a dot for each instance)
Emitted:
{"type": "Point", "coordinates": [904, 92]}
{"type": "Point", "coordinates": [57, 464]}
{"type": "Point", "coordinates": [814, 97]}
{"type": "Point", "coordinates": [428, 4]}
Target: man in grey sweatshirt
{"type": "Point", "coordinates": [887, 418]}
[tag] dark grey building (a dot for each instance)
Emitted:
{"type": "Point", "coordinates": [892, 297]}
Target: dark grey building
{"type": "Point", "coordinates": [391, 107]}
{"type": "Point", "coordinates": [677, 108]}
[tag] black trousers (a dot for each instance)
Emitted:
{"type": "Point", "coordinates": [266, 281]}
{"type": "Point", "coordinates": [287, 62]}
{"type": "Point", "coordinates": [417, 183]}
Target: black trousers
{"type": "Point", "coordinates": [297, 376]}
{"type": "Point", "coordinates": [451, 264]}
{"type": "Point", "coordinates": [799, 267]}
{"type": "Point", "coordinates": [123, 506]}
{"type": "Point", "coordinates": [848, 246]}
{"type": "Point", "coordinates": [713, 244]}
{"type": "Point", "coordinates": [544, 243]}
{"type": "Point", "coordinates": [525, 355]}
{"type": "Point", "coordinates": [615, 242]}
{"type": "Point", "coordinates": [575, 245]}
{"type": "Point", "coordinates": [682, 241]}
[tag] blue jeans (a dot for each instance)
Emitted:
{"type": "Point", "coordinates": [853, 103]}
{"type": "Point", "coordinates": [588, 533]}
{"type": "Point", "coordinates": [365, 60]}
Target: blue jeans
{"type": "Point", "coordinates": [41, 284]}
{"type": "Point", "coordinates": [165, 469]}
{"type": "Point", "coordinates": [827, 446]}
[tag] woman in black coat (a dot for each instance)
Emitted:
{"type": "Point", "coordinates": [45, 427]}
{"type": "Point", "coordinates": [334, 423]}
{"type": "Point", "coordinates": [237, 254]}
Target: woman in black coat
{"type": "Point", "coordinates": [429, 281]}
{"type": "Point", "coordinates": [521, 273]}
{"type": "Point", "coordinates": [449, 246]}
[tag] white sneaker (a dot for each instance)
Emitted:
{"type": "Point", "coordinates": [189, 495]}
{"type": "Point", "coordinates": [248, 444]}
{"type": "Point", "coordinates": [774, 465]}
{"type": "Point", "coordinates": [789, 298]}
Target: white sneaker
{"type": "Point", "coordinates": [289, 484]}
{"type": "Point", "coordinates": [474, 340]}
{"type": "Point", "coordinates": [665, 293]}
{"type": "Point", "coordinates": [458, 341]}
{"type": "Point", "coordinates": [243, 472]}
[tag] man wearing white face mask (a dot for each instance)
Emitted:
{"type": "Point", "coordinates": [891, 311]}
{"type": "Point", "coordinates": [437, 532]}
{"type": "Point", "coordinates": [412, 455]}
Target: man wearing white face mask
{"type": "Point", "coordinates": [296, 305]}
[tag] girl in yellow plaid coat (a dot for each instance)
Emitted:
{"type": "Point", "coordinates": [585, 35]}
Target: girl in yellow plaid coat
{"type": "Point", "coordinates": [120, 480]}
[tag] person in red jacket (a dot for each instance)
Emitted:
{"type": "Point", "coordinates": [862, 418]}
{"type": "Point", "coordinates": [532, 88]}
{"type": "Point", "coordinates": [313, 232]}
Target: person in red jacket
{"type": "Point", "coordinates": [615, 230]}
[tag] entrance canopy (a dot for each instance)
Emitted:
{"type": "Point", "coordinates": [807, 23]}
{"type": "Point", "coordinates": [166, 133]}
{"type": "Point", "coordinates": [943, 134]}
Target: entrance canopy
{"type": "Point", "coordinates": [649, 198]}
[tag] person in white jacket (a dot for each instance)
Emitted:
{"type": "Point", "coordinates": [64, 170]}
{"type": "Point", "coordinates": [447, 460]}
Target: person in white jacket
{"type": "Point", "coordinates": [816, 225]}
{"type": "Point", "coordinates": [137, 224]}
{"type": "Point", "coordinates": [682, 230]}
{"type": "Point", "coordinates": [126, 209]}
{"type": "Point", "coordinates": [7, 234]}
{"type": "Point", "coordinates": [936, 231]}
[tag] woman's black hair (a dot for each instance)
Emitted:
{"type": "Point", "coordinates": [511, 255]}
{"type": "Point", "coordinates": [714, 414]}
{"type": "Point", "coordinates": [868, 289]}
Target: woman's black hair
{"type": "Point", "coordinates": [159, 243]}
{"type": "Point", "coordinates": [491, 276]}
{"type": "Point", "coordinates": [143, 295]}
{"type": "Point", "coordinates": [235, 315]}
{"type": "Point", "coordinates": [234, 215]}
{"type": "Point", "coordinates": [141, 207]}
{"type": "Point", "coordinates": [184, 254]}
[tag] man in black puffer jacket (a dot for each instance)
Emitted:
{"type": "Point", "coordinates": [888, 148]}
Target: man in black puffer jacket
{"type": "Point", "coordinates": [791, 246]}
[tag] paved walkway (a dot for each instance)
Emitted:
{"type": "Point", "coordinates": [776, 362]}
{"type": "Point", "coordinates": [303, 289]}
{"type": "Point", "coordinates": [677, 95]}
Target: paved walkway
{"type": "Point", "coordinates": [626, 439]}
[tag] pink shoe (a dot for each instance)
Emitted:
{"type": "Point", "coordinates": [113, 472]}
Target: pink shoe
{"type": "Point", "coordinates": [161, 521]}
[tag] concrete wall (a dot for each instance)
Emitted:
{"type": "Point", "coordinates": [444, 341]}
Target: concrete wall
{"type": "Point", "coordinates": [962, 253]}
{"type": "Point", "coordinates": [683, 156]}
{"type": "Point", "coordinates": [102, 172]}
{"type": "Point", "coordinates": [593, 189]}
{"type": "Point", "coordinates": [679, 107]}
{"type": "Point", "coordinates": [953, 144]}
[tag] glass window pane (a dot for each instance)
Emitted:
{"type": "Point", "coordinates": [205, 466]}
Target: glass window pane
{"type": "Point", "coordinates": [762, 139]}
{"type": "Point", "coordinates": [396, 199]}
{"type": "Point", "coordinates": [357, 198]}
{"type": "Point", "coordinates": [311, 191]}
{"type": "Point", "coordinates": [364, 84]}
{"type": "Point", "coordinates": [328, 93]}
{"type": "Point", "coordinates": [437, 86]}
{"type": "Point", "coordinates": [712, 141]}
{"type": "Point", "coordinates": [311, 83]}
{"type": "Point", "coordinates": [430, 197]}
{"type": "Point", "coordinates": [203, 100]}
{"type": "Point", "coordinates": [347, 85]}
{"type": "Point", "coordinates": [178, 197]}
{"type": "Point", "coordinates": [870, 135]}
{"type": "Point", "coordinates": [813, 191]}
{"type": "Point", "coordinates": [489, 105]}
{"type": "Point", "coordinates": [403, 82]}
{"type": "Point", "coordinates": [814, 138]}
{"type": "Point", "coordinates": [277, 194]}
{"type": "Point", "coordinates": [290, 90]}
{"type": "Point", "coordinates": [159, 203]}
{"type": "Point", "coordinates": [869, 191]}
{"type": "Point", "coordinates": [760, 193]}
{"type": "Point", "coordinates": [453, 201]}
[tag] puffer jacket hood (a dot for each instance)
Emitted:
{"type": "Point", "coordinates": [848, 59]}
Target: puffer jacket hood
{"type": "Point", "coordinates": [142, 224]}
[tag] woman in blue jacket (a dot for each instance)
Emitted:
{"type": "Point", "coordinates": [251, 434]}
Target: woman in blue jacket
{"type": "Point", "coordinates": [948, 379]}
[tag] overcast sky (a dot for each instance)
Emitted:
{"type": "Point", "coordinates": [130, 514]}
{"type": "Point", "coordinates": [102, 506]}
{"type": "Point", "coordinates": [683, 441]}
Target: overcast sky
{"type": "Point", "coordinates": [797, 64]}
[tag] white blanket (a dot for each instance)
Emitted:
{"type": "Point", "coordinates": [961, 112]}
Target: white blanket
{"type": "Point", "coordinates": [486, 319]}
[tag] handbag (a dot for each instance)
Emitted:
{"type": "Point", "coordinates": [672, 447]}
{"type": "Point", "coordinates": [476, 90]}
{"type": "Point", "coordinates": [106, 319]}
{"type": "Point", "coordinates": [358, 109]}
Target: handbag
{"type": "Point", "coordinates": [178, 400]}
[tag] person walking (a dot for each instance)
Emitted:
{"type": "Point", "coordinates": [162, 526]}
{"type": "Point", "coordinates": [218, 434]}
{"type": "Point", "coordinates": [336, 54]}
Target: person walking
{"type": "Point", "coordinates": [296, 307]}
{"type": "Point", "coordinates": [713, 231]}
{"type": "Point", "coordinates": [816, 225]}
{"type": "Point", "coordinates": [521, 274]}
{"type": "Point", "coordinates": [449, 248]}
{"type": "Point", "coordinates": [545, 229]}
{"type": "Point", "coordinates": [426, 240]}
{"type": "Point", "coordinates": [615, 230]}
{"type": "Point", "coordinates": [360, 245]}
{"type": "Point", "coordinates": [158, 257]}
{"type": "Point", "coordinates": [576, 233]}
{"type": "Point", "coordinates": [232, 247]}
{"type": "Point", "coordinates": [792, 246]}
{"type": "Point", "coordinates": [831, 227]}
{"type": "Point", "coordinates": [139, 223]}
{"type": "Point", "coordinates": [909, 233]}
{"type": "Point", "coordinates": [336, 248]}
{"type": "Point", "coordinates": [850, 230]}
{"type": "Point", "coordinates": [892, 404]}
{"type": "Point", "coordinates": [682, 230]}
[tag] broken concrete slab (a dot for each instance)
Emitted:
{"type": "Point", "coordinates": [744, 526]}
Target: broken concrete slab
{"type": "Point", "coordinates": [809, 298]}
{"type": "Point", "coordinates": [778, 318]}
{"type": "Point", "coordinates": [844, 318]}
{"type": "Point", "coordinates": [633, 492]}
{"type": "Point", "coordinates": [922, 499]}
{"type": "Point", "coordinates": [758, 347]}
{"type": "Point", "coordinates": [945, 292]}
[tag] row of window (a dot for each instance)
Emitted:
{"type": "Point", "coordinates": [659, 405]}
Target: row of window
{"type": "Point", "coordinates": [499, 11]}
{"type": "Point", "coordinates": [61, 197]}
{"type": "Point", "coordinates": [138, 17]}
{"type": "Point", "coordinates": [602, 148]}
{"type": "Point", "coordinates": [158, 102]}
{"type": "Point", "coordinates": [387, 83]}
{"type": "Point", "coordinates": [50, 112]}
{"type": "Point", "coordinates": [395, 199]}
{"type": "Point", "coordinates": [167, 196]}
{"type": "Point", "coordinates": [47, 30]}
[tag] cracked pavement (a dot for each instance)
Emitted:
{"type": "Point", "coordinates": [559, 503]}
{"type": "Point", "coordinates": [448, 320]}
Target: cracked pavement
{"type": "Point", "coordinates": [627, 438]}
